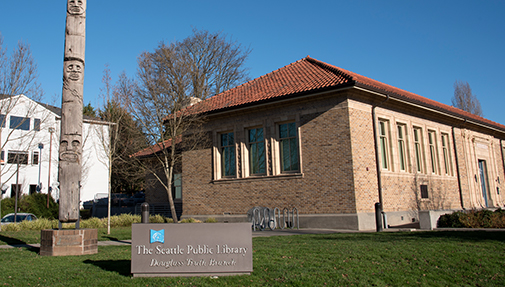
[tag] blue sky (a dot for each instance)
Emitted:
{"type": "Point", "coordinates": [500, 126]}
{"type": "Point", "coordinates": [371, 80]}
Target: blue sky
{"type": "Point", "coordinates": [419, 46]}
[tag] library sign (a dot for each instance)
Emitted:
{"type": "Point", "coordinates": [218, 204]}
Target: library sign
{"type": "Point", "coordinates": [191, 249]}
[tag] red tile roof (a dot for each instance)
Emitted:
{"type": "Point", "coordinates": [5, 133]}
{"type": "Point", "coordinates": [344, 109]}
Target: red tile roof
{"type": "Point", "coordinates": [310, 75]}
{"type": "Point", "coordinates": [156, 148]}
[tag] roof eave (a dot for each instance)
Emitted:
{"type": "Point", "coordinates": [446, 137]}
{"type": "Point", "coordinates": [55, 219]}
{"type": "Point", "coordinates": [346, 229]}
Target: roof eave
{"type": "Point", "coordinates": [428, 107]}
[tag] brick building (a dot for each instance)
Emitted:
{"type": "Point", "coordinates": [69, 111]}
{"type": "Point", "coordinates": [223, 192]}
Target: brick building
{"type": "Point", "coordinates": [303, 136]}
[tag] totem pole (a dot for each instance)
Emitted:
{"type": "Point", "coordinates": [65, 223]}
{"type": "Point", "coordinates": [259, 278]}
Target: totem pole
{"type": "Point", "coordinates": [70, 152]}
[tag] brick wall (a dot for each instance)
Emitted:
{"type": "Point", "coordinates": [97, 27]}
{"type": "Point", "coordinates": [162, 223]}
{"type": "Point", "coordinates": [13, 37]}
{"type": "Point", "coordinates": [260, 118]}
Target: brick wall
{"type": "Point", "coordinates": [324, 184]}
{"type": "Point", "coordinates": [338, 172]}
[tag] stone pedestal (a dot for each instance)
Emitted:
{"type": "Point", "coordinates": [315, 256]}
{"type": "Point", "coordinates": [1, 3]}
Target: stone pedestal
{"type": "Point", "coordinates": [54, 242]}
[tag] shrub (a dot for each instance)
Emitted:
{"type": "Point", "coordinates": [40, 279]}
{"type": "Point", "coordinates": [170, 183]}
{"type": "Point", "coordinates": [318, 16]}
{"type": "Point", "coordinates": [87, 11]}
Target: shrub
{"type": "Point", "coordinates": [211, 220]}
{"type": "Point", "coordinates": [473, 219]}
{"type": "Point", "coordinates": [123, 220]}
{"type": "Point", "coordinates": [156, 219]}
{"type": "Point", "coordinates": [190, 220]}
{"type": "Point", "coordinates": [451, 220]}
{"type": "Point", "coordinates": [93, 222]}
{"type": "Point", "coordinates": [35, 203]}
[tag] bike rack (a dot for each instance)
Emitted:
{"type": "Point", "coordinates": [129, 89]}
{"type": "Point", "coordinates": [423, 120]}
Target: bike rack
{"type": "Point", "coordinates": [262, 220]}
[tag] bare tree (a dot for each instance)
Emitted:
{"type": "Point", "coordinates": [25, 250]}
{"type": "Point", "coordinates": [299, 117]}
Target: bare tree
{"type": "Point", "coordinates": [121, 139]}
{"type": "Point", "coordinates": [18, 92]}
{"type": "Point", "coordinates": [18, 76]}
{"type": "Point", "coordinates": [173, 77]}
{"type": "Point", "coordinates": [464, 98]}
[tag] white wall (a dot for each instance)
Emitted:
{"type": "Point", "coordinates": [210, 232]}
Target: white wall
{"type": "Point", "coordinates": [95, 164]}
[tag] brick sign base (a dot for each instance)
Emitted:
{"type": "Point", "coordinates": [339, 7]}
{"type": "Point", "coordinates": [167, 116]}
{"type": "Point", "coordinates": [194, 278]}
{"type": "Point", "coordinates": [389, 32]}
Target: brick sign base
{"type": "Point", "coordinates": [54, 242]}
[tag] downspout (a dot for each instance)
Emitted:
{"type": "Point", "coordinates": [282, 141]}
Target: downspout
{"type": "Point", "coordinates": [457, 163]}
{"type": "Point", "coordinates": [377, 157]}
{"type": "Point", "coordinates": [503, 164]}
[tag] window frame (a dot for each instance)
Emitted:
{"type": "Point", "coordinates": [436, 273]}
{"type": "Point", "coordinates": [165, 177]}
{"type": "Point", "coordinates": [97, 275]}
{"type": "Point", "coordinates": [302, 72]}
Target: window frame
{"type": "Point", "coordinates": [384, 139]}
{"type": "Point", "coordinates": [222, 150]}
{"type": "Point", "coordinates": [403, 152]}
{"type": "Point", "coordinates": [177, 186]}
{"type": "Point", "coordinates": [418, 148]}
{"type": "Point", "coordinates": [253, 156]}
{"type": "Point", "coordinates": [432, 145]}
{"type": "Point", "coordinates": [13, 160]}
{"type": "Point", "coordinates": [425, 194]}
{"type": "Point", "coordinates": [35, 155]}
{"type": "Point", "coordinates": [446, 153]}
{"type": "Point", "coordinates": [294, 151]}
{"type": "Point", "coordinates": [36, 125]}
{"type": "Point", "coordinates": [19, 123]}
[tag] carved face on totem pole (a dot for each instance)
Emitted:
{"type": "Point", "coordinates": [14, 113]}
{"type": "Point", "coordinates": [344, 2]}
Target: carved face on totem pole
{"type": "Point", "coordinates": [76, 7]}
{"type": "Point", "coordinates": [70, 149]}
{"type": "Point", "coordinates": [73, 70]}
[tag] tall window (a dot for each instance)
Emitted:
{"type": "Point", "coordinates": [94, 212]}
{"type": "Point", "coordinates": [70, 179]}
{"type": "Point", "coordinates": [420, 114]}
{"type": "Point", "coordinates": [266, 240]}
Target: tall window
{"type": "Point", "coordinates": [2, 157]}
{"type": "Point", "coordinates": [384, 145]}
{"type": "Point", "coordinates": [177, 186]}
{"type": "Point", "coordinates": [256, 147]}
{"type": "Point", "coordinates": [20, 123]}
{"type": "Point", "coordinates": [35, 157]}
{"type": "Point", "coordinates": [14, 156]}
{"type": "Point", "coordinates": [418, 144]}
{"type": "Point", "coordinates": [433, 150]}
{"type": "Point", "coordinates": [227, 150]}
{"type": "Point", "coordinates": [402, 147]}
{"type": "Point", "coordinates": [446, 154]}
{"type": "Point", "coordinates": [36, 124]}
{"type": "Point", "coordinates": [2, 121]}
{"type": "Point", "coordinates": [503, 156]}
{"type": "Point", "coordinates": [288, 147]}
{"type": "Point", "coordinates": [424, 191]}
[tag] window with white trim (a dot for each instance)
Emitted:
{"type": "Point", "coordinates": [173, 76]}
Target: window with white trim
{"type": "Point", "coordinates": [36, 124]}
{"type": "Point", "coordinates": [256, 148]}
{"type": "Point", "coordinates": [35, 157]}
{"type": "Point", "coordinates": [446, 151]}
{"type": "Point", "coordinates": [19, 123]}
{"type": "Point", "coordinates": [15, 157]}
{"type": "Point", "coordinates": [433, 151]}
{"type": "Point", "coordinates": [418, 146]}
{"type": "Point", "coordinates": [227, 154]}
{"type": "Point", "coordinates": [384, 143]}
{"type": "Point", "coordinates": [288, 147]}
{"type": "Point", "coordinates": [402, 146]}
{"type": "Point", "coordinates": [177, 186]}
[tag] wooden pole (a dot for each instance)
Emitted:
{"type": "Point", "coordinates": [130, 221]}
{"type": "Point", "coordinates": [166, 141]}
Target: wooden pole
{"type": "Point", "coordinates": [51, 131]}
{"type": "Point", "coordinates": [70, 153]}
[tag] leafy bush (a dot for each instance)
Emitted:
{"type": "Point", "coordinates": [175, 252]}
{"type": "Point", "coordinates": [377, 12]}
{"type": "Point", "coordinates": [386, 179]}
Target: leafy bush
{"type": "Point", "coordinates": [473, 219]}
{"type": "Point", "coordinates": [123, 220]}
{"type": "Point", "coordinates": [190, 220]}
{"type": "Point", "coordinates": [211, 220]}
{"type": "Point", "coordinates": [35, 203]}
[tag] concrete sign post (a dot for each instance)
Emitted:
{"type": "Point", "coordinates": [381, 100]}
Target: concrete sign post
{"type": "Point", "coordinates": [192, 249]}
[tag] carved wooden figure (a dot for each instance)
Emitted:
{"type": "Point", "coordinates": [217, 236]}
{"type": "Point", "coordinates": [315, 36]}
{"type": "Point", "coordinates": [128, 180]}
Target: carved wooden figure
{"type": "Point", "coordinates": [70, 152]}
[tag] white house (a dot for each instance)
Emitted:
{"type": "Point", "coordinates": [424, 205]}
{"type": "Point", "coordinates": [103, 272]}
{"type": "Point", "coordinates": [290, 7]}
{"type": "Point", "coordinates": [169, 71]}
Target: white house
{"type": "Point", "coordinates": [29, 138]}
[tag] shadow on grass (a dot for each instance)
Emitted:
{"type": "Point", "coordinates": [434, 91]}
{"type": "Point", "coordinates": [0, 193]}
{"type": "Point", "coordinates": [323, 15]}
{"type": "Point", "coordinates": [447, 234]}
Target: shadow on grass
{"type": "Point", "coordinates": [14, 242]}
{"type": "Point", "coordinates": [122, 267]}
{"type": "Point", "coordinates": [472, 235]}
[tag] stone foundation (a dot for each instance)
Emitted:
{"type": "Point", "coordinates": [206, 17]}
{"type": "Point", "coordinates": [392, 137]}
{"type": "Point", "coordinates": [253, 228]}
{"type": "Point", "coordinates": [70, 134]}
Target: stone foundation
{"type": "Point", "coordinates": [54, 242]}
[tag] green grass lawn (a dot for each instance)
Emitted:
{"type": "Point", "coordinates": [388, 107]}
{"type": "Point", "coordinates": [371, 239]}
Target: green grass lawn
{"type": "Point", "coordinates": [474, 258]}
{"type": "Point", "coordinates": [33, 236]}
